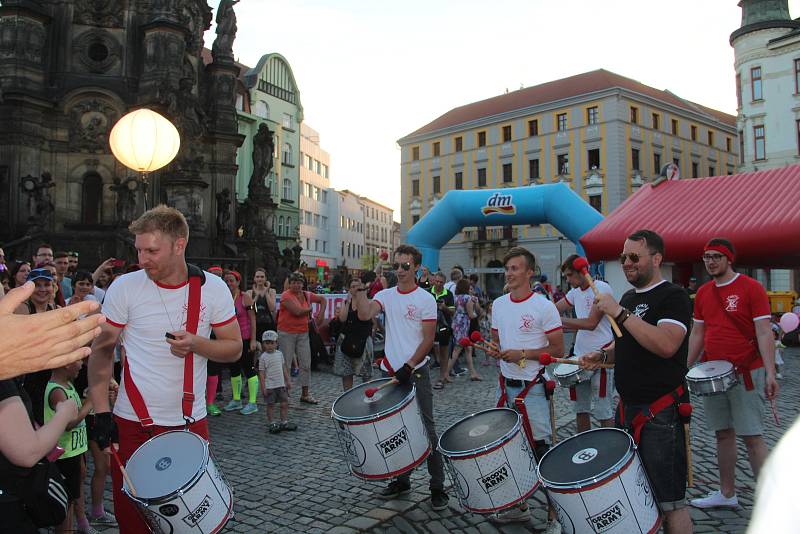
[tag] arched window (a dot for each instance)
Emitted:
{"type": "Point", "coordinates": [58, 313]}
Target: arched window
{"type": "Point", "coordinates": [287, 189]}
{"type": "Point", "coordinates": [92, 198]}
{"type": "Point", "coordinates": [287, 154]}
{"type": "Point", "coordinates": [262, 109]}
{"type": "Point", "coordinates": [280, 225]}
{"type": "Point", "coordinates": [288, 230]}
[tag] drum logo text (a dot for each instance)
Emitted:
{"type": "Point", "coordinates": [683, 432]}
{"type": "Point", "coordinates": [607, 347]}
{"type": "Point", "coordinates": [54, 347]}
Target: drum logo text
{"type": "Point", "coordinates": [608, 518]}
{"type": "Point", "coordinates": [393, 443]}
{"type": "Point", "coordinates": [200, 512]}
{"type": "Point", "coordinates": [495, 479]}
{"type": "Point", "coordinates": [163, 463]}
{"type": "Point", "coordinates": [585, 455]}
{"type": "Point", "coordinates": [500, 204]}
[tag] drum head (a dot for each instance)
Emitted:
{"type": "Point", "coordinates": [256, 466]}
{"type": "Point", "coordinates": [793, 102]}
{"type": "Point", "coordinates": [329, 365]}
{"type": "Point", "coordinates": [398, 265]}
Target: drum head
{"type": "Point", "coordinates": [478, 430]}
{"type": "Point", "coordinates": [166, 463]}
{"type": "Point", "coordinates": [710, 369]}
{"type": "Point", "coordinates": [354, 404]}
{"type": "Point", "coordinates": [565, 369]}
{"type": "Point", "coordinates": [585, 456]}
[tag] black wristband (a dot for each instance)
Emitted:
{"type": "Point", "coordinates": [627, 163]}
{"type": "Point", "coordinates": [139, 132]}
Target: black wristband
{"type": "Point", "coordinates": [623, 316]}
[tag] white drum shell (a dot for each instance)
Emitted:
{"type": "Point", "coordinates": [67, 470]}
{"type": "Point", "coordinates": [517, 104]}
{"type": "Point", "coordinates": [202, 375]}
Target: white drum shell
{"type": "Point", "coordinates": [711, 378]}
{"type": "Point", "coordinates": [494, 478]}
{"type": "Point", "coordinates": [203, 507]}
{"type": "Point", "coordinates": [621, 503]}
{"type": "Point", "coordinates": [386, 446]}
{"type": "Point", "coordinates": [570, 375]}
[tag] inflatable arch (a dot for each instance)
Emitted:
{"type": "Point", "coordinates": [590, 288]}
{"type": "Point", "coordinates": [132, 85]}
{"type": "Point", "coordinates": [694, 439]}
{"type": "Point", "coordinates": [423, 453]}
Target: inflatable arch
{"type": "Point", "coordinates": [554, 204]}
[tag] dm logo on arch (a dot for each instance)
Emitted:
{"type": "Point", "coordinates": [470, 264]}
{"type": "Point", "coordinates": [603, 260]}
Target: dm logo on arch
{"type": "Point", "coordinates": [501, 204]}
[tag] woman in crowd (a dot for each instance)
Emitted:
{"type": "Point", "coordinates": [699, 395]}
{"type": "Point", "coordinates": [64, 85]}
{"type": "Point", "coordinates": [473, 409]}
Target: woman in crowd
{"type": "Point", "coordinates": [19, 273]}
{"type": "Point", "coordinates": [82, 284]}
{"type": "Point", "coordinates": [354, 332]}
{"type": "Point", "coordinates": [263, 297]}
{"type": "Point", "coordinates": [246, 316]}
{"type": "Point", "coordinates": [466, 311]}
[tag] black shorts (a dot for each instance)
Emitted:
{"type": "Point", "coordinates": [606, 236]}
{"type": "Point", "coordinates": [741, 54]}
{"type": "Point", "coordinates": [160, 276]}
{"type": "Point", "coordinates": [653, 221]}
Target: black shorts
{"type": "Point", "coordinates": [662, 450]}
{"type": "Point", "coordinates": [443, 338]}
{"type": "Point", "coordinates": [71, 470]}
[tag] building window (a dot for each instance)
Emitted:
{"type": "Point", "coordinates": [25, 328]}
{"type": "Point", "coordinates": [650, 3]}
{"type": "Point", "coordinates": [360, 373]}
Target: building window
{"type": "Point", "coordinates": [635, 159]}
{"type": "Point", "coordinates": [561, 121]}
{"type": "Point", "coordinates": [507, 172]}
{"type": "Point", "coordinates": [592, 115]}
{"type": "Point", "coordinates": [342, 248]}
{"type": "Point", "coordinates": [593, 158]}
{"type": "Point", "coordinates": [506, 134]}
{"type": "Point", "coordinates": [634, 115]}
{"type": "Point", "coordinates": [287, 121]}
{"type": "Point", "coordinates": [657, 164]}
{"type": "Point", "coordinates": [481, 138]}
{"type": "Point", "coordinates": [436, 185]}
{"type": "Point", "coordinates": [414, 219]}
{"type": "Point", "coordinates": [760, 145]}
{"type": "Point", "coordinates": [436, 149]}
{"type": "Point", "coordinates": [796, 76]}
{"type": "Point", "coordinates": [287, 154]}
{"type": "Point", "coordinates": [262, 109]}
{"type": "Point", "coordinates": [674, 126]}
{"type": "Point", "coordinates": [755, 83]}
{"type": "Point", "coordinates": [563, 164]}
{"type": "Point", "coordinates": [712, 171]}
{"type": "Point", "coordinates": [739, 91]}
{"type": "Point", "coordinates": [693, 132]}
{"type": "Point", "coordinates": [459, 141]}
{"type": "Point", "coordinates": [533, 127]}
{"type": "Point", "coordinates": [415, 188]}
{"type": "Point", "coordinates": [316, 220]}
{"type": "Point", "coordinates": [280, 225]}
{"type": "Point", "coordinates": [656, 121]}
{"type": "Point", "coordinates": [710, 138]}
{"type": "Point", "coordinates": [287, 189]}
{"type": "Point", "coordinates": [741, 145]}
{"type": "Point", "coordinates": [482, 177]}
{"type": "Point", "coordinates": [308, 218]}
{"type": "Point", "coordinates": [92, 199]}
{"type": "Point", "coordinates": [727, 144]}
{"type": "Point", "coordinates": [459, 180]}
{"type": "Point", "coordinates": [596, 201]}
{"type": "Point", "coordinates": [324, 223]}
{"type": "Point", "coordinates": [415, 153]}
{"type": "Point", "coordinates": [695, 169]}
{"type": "Point", "coordinates": [533, 169]}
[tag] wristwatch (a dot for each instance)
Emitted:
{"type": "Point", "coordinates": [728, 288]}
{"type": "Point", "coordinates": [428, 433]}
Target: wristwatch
{"type": "Point", "coordinates": [604, 354]}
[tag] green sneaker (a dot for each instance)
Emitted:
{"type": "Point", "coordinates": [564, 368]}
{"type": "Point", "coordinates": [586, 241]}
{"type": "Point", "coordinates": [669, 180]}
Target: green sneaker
{"type": "Point", "coordinates": [233, 406]}
{"type": "Point", "coordinates": [248, 409]}
{"type": "Point", "coordinates": [213, 410]}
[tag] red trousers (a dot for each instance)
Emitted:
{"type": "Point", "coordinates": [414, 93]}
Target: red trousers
{"type": "Point", "coordinates": [131, 436]}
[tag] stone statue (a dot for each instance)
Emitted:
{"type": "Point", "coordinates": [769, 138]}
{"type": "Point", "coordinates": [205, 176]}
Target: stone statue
{"type": "Point", "coordinates": [263, 153]}
{"type": "Point", "coordinates": [223, 212]}
{"type": "Point", "coordinates": [126, 199]}
{"type": "Point", "coordinates": [40, 207]}
{"type": "Point", "coordinates": [226, 30]}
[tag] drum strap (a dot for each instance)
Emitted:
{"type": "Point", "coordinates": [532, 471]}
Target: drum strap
{"type": "Point", "coordinates": [187, 400]}
{"type": "Point", "coordinates": [519, 402]}
{"type": "Point", "coordinates": [650, 412]}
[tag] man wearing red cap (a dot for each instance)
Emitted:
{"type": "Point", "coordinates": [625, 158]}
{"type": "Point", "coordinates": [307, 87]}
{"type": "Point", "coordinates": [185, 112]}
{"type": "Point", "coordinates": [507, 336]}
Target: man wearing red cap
{"type": "Point", "coordinates": [731, 322]}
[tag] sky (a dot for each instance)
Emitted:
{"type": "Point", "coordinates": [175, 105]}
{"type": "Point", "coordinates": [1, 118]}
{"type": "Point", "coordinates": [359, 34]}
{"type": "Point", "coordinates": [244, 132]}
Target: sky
{"type": "Point", "coordinates": [372, 71]}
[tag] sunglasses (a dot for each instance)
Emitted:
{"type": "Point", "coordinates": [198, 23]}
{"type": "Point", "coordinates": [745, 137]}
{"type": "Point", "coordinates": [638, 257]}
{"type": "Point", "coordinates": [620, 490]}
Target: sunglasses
{"type": "Point", "coordinates": [632, 256]}
{"type": "Point", "coordinates": [406, 266]}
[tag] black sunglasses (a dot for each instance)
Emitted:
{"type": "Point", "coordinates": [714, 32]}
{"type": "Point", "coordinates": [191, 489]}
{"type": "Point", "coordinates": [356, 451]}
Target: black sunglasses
{"type": "Point", "coordinates": [406, 266]}
{"type": "Point", "coordinates": [633, 257]}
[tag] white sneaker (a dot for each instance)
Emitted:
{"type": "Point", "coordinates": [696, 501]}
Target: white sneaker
{"type": "Point", "coordinates": [512, 515]}
{"type": "Point", "coordinates": [715, 499]}
{"type": "Point", "coordinates": [553, 527]}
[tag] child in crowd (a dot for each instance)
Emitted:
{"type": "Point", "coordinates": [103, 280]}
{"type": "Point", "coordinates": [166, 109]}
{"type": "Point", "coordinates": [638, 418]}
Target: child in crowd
{"type": "Point", "coordinates": [73, 440]}
{"type": "Point", "coordinates": [274, 380]}
{"type": "Point", "coordinates": [779, 346]}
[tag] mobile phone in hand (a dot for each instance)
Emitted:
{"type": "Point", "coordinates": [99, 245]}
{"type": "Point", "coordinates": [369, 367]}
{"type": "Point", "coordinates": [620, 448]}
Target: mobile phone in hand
{"type": "Point", "coordinates": [169, 336]}
{"type": "Point", "coordinates": [55, 454]}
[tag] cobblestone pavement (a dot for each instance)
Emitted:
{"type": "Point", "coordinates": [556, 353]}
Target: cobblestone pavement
{"type": "Point", "coordinates": [298, 482]}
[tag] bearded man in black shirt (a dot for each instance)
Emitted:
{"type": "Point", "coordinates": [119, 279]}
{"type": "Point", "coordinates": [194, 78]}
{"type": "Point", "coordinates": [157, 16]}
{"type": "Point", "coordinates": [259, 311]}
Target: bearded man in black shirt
{"type": "Point", "coordinates": [649, 368]}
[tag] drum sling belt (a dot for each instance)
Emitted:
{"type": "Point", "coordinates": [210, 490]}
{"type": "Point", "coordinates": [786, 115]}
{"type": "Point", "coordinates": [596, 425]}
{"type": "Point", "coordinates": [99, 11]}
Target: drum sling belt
{"type": "Point", "coordinates": [755, 363]}
{"type": "Point", "coordinates": [663, 402]}
{"type": "Point", "coordinates": [573, 395]}
{"type": "Point", "coordinates": [196, 279]}
{"type": "Point", "coordinates": [519, 401]}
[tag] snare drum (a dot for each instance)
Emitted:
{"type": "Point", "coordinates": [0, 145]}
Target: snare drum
{"type": "Point", "coordinates": [570, 375]}
{"type": "Point", "coordinates": [178, 487]}
{"type": "Point", "coordinates": [711, 378]}
{"type": "Point", "coordinates": [382, 436]}
{"type": "Point", "coordinates": [489, 460]}
{"type": "Point", "coordinates": [596, 483]}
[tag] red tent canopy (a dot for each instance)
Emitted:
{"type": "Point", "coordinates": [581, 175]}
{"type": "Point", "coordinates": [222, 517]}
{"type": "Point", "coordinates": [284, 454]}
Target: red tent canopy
{"type": "Point", "coordinates": [759, 212]}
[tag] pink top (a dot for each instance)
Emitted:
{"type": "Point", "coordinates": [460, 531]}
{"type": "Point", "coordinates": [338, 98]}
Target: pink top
{"type": "Point", "coordinates": [242, 316]}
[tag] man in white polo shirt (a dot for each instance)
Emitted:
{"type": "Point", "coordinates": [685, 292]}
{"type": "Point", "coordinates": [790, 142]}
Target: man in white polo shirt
{"type": "Point", "coordinates": [525, 325]}
{"type": "Point", "coordinates": [410, 328]}
{"type": "Point", "coordinates": [152, 306]}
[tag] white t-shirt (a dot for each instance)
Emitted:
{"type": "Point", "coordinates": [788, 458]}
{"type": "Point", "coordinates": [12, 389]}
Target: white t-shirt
{"type": "Point", "coordinates": [137, 304]}
{"type": "Point", "coordinates": [405, 313]}
{"type": "Point", "coordinates": [524, 325]}
{"type": "Point", "coordinates": [272, 364]}
{"type": "Point", "coordinates": [582, 301]}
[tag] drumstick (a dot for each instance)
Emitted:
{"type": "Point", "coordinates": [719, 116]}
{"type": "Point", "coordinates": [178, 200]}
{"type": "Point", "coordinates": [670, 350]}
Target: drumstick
{"type": "Point", "coordinates": [122, 469]}
{"type": "Point", "coordinates": [551, 386]}
{"type": "Point", "coordinates": [685, 411]}
{"type": "Point", "coordinates": [370, 392]}
{"type": "Point", "coordinates": [775, 412]}
{"type": "Point", "coordinates": [582, 266]}
{"type": "Point", "coordinates": [546, 359]}
{"type": "Point", "coordinates": [478, 338]}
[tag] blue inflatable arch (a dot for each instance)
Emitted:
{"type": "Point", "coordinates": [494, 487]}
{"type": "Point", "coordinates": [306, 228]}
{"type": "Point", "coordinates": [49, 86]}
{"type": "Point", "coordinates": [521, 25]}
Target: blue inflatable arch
{"type": "Point", "coordinates": [554, 204]}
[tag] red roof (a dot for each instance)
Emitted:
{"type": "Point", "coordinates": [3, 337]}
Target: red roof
{"type": "Point", "coordinates": [759, 212]}
{"type": "Point", "coordinates": [588, 82]}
